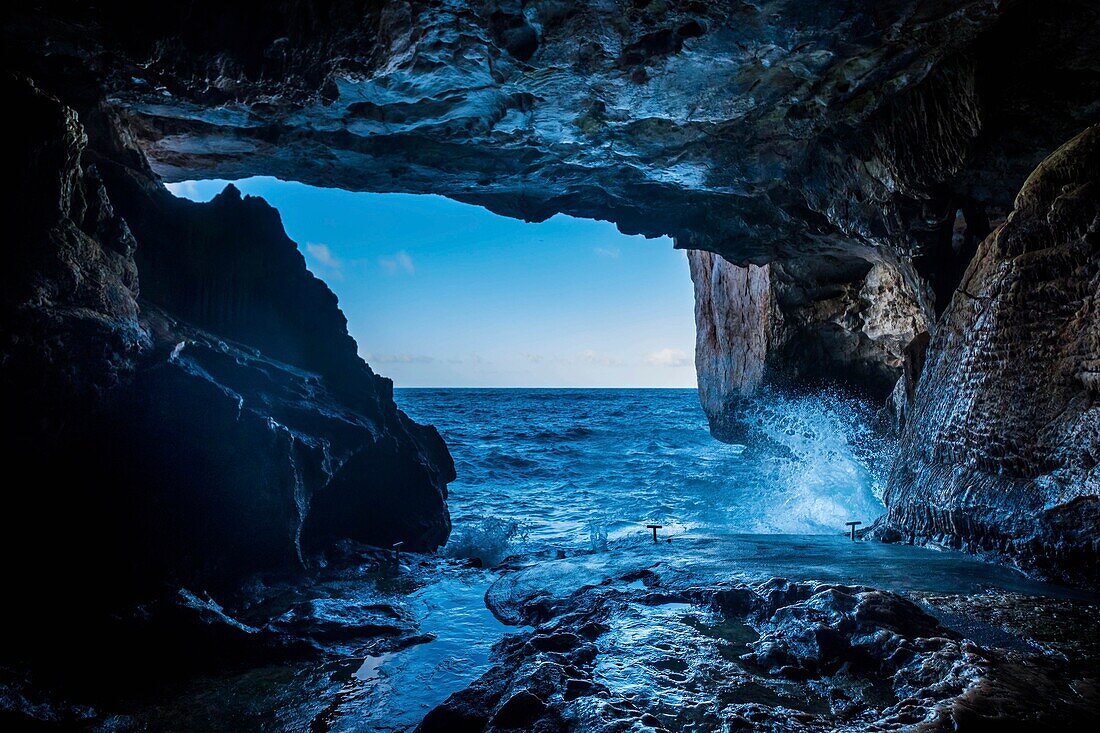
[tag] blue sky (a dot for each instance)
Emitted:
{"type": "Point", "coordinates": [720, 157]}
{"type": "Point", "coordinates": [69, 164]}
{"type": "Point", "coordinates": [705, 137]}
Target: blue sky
{"type": "Point", "coordinates": [440, 293]}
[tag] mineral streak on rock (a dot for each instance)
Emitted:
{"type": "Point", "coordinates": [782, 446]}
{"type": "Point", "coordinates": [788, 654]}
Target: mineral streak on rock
{"type": "Point", "coordinates": [736, 321]}
{"type": "Point", "coordinates": [1001, 451]}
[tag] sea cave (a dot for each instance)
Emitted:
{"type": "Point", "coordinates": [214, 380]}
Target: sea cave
{"type": "Point", "coordinates": [263, 477]}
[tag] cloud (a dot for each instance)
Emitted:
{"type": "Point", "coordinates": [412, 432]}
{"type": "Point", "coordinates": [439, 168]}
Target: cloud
{"type": "Point", "coordinates": [398, 262]}
{"type": "Point", "coordinates": [611, 253]}
{"type": "Point", "coordinates": [399, 358]}
{"type": "Point", "coordinates": [323, 256]}
{"type": "Point", "coordinates": [593, 357]}
{"type": "Point", "coordinates": [533, 358]}
{"type": "Point", "coordinates": [184, 189]}
{"type": "Point", "coordinates": [668, 358]}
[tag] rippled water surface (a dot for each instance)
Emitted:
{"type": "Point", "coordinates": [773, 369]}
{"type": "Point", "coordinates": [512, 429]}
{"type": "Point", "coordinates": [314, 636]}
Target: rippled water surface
{"type": "Point", "coordinates": [573, 466]}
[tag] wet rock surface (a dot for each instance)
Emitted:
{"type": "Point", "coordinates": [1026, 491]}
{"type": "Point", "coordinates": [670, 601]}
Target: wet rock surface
{"type": "Point", "coordinates": [692, 635]}
{"type": "Point", "coordinates": [652, 649]}
{"type": "Point", "coordinates": [1000, 452]}
{"type": "Point", "coordinates": [281, 652]}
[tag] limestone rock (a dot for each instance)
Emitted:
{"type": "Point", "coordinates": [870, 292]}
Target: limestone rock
{"type": "Point", "coordinates": [755, 130]}
{"type": "Point", "coordinates": [802, 325]}
{"type": "Point", "coordinates": [1001, 450]}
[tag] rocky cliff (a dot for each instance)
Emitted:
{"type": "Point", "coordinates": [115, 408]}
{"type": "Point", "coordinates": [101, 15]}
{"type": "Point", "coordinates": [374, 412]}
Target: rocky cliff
{"type": "Point", "coordinates": [802, 325]}
{"type": "Point", "coordinates": [856, 153]}
{"type": "Point", "coordinates": [1002, 449]}
{"type": "Point", "coordinates": [214, 422]}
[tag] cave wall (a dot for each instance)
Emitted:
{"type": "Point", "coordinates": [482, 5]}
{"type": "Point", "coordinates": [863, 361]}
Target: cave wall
{"type": "Point", "coordinates": [802, 325]}
{"type": "Point", "coordinates": [1001, 450]}
{"type": "Point", "coordinates": [192, 435]}
{"type": "Point", "coordinates": [836, 164]}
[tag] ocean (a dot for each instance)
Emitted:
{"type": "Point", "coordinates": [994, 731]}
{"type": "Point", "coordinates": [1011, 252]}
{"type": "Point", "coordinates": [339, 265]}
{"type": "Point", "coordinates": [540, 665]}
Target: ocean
{"type": "Point", "coordinates": [567, 468]}
{"type": "Point", "coordinates": [557, 486]}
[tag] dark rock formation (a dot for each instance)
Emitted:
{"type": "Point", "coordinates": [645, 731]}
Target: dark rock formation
{"type": "Point", "coordinates": [69, 295]}
{"type": "Point", "coordinates": [750, 130]}
{"type": "Point", "coordinates": [229, 268]}
{"type": "Point", "coordinates": [801, 325]}
{"type": "Point", "coordinates": [1003, 444]}
{"type": "Point", "coordinates": [860, 150]}
{"type": "Point", "coordinates": [769, 656]}
{"type": "Point", "coordinates": [218, 423]}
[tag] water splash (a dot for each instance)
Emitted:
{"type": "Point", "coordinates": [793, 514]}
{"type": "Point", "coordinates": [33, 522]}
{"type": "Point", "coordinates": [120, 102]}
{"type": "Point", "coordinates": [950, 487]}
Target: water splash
{"type": "Point", "coordinates": [567, 462]}
{"type": "Point", "coordinates": [487, 541]}
{"type": "Point", "coordinates": [828, 465]}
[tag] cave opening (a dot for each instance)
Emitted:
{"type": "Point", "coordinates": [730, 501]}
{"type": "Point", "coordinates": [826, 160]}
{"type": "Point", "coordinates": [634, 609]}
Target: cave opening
{"type": "Point", "coordinates": [439, 293]}
{"type": "Point", "coordinates": [556, 359]}
{"type": "Point", "coordinates": [371, 483]}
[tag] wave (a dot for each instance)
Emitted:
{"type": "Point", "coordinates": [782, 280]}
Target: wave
{"type": "Point", "coordinates": [487, 540]}
{"type": "Point", "coordinates": [559, 459]}
{"type": "Point", "coordinates": [830, 466]}
{"type": "Point", "coordinates": [577, 432]}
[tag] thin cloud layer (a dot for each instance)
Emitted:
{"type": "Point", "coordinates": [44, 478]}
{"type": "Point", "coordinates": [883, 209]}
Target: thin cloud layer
{"type": "Point", "coordinates": [398, 263]}
{"type": "Point", "coordinates": [668, 358]}
{"type": "Point", "coordinates": [320, 254]}
{"type": "Point", "coordinates": [399, 358]}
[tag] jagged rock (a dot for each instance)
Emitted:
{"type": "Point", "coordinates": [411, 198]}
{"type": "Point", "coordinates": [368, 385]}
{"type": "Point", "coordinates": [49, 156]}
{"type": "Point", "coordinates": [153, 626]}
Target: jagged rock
{"type": "Point", "coordinates": [227, 434]}
{"type": "Point", "coordinates": [811, 137]}
{"type": "Point", "coordinates": [69, 295]}
{"type": "Point", "coordinates": [801, 325]}
{"type": "Point", "coordinates": [771, 656]}
{"type": "Point", "coordinates": [861, 629]}
{"type": "Point", "coordinates": [1001, 450]}
{"type": "Point", "coordinates": [520, 711]}
{"type": "Point", "coordinates": [284, 463]}
{"type": "Point", "coordinates": [228, 267]}
{"type": "Point", "coordinates": [753, 130]}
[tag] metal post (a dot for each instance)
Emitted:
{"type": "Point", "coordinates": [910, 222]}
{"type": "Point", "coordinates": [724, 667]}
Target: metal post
{"type": "Point", "coordinates": [654, 527]}
{"type": "Point", "coordinates": [397, 552]}
{"type": "Point", "coordinates": [853, 525]}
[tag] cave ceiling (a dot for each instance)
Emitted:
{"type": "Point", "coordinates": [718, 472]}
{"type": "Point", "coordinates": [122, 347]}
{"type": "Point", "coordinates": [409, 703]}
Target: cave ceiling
{"type": "Point", "coordinates": [759, 130]}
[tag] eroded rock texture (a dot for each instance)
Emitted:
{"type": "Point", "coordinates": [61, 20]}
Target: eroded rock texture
{"type": "Point", "coordinates": [800, 325]}
{"type": "Point", "coordinates": [1002, 448]}
{"type": "Point", "coordinates": [771, 656]}
{"type": "Point", "coordinates": [216, 422]}
{"type": "Point", "coordinates": [858, 150]}
{"type": "Point", "coordinates": [747, 129]}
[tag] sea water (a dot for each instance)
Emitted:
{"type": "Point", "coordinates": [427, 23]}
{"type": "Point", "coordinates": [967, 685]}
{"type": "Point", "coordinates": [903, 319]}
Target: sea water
{"type": "Point", "coordinates": [542, 468]}
{"type": "Point", "coordinates": [579, 473]}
